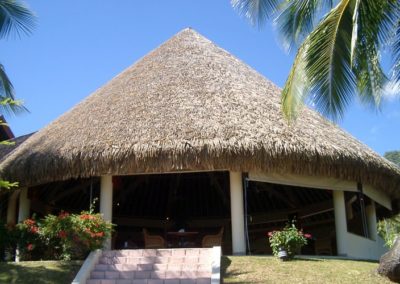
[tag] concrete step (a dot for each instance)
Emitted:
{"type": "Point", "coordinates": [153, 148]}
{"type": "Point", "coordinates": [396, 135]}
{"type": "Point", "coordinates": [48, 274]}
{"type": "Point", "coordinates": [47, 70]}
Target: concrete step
{"type": "Point", "coordinates": [153, 260]}
{"type": "Point", "coordinates": [149, 274]}
{"type": "Point", "coordinates": [150, 281]}
{"type": "Point", "coordinates": [153, 266]}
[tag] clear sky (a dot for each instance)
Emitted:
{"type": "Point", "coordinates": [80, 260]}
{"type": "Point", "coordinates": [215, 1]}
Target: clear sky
{"type": "Point", "coordinates": [78, 46]}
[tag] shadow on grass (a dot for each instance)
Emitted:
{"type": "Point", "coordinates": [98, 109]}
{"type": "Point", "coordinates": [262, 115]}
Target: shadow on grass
{"type": "Point", "coordinates": [225, 275]}
{"type": "Point", "coordinates": [322, 258]}
{"type": "Point", "coordinates": [39, 272]}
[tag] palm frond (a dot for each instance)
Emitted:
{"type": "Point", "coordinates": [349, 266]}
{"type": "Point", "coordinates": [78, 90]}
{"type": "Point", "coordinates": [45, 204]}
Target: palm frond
{"type": "Point", "coordinates": [375, 26]}
{"type": "Point", "coordinates": [8, 104]}
{"type": "Point", "coordinates": [371, 79]}
{"type": "Point", "coordinates": [296, 87]}
{"type": "Point", "coordinates": [395, 45]}
{"type": "Point", "coordinates": [15, 18]}
{"type": "Point", "coordinates": [396, 55]}
{"type": "Point", "coordinates": [256, 11]}
{"type": "Point", "coordinates": [332, 82]}
{"type": "Point", "coordinates": [297, 18]}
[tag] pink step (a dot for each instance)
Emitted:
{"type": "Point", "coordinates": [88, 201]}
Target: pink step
{"type": "Point", "coordinates": [150, 281]}
{"type": "Point", "coordinates": [154, 266]}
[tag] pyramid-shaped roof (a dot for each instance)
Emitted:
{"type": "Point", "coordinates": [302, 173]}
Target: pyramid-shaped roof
{"type": "Point", "coordinates": [190, 105]}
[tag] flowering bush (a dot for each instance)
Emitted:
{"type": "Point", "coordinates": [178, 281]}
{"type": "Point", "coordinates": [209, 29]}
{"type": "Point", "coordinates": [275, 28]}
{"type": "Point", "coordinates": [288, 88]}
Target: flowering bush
{"type": "Point", "coordinates": [73, 236]}
{"type": "Point", "coordinates": [290, 239]}
{"type": "Point", "coordinates": [27, 237]}
{"type": "Point", "coordinates": [64, 236]}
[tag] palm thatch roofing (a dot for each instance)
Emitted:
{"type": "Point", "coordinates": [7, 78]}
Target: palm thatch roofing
{"type": "Point", "coordinates": [14, 143]}
{"type": "Point", "coordinates": [190, 105]}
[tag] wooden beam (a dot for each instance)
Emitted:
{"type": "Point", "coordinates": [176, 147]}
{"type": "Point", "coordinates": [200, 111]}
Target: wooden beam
{"type": "Point", "coordinates": [282, 215]}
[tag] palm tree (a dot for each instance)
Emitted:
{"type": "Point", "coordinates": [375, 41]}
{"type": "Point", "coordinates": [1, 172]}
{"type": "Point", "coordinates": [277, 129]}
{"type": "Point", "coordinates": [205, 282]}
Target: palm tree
{"type": "Point", "coordinates": [15, 19]}
{"type": "Point", "coordinates": [339, 49]}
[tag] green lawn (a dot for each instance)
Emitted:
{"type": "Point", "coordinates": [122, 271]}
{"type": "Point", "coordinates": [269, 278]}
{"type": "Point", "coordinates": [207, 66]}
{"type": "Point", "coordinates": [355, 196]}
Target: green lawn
{"type": "Point", "coordinates": [38, 272]}
{"type": "Point", "coordinates": [235, 269]}
{"type": "Point", "coordinates": [267, 269]}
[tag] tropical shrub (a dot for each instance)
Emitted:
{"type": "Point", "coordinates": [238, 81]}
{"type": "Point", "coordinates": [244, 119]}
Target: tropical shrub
{"type": "Point", "coordinates": [27, 237]}
{"type": "Point", "coordinates": [289, 239]}
{"type": "Point", "coordinates": [65, 236]}
{"type": "Point", "coordinates": [73, 236]}
{"type": "Point", "coordinates": [389, 230]}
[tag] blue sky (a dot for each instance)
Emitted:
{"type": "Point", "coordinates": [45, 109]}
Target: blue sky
{"type": "Point", "coordinates": [78, 46]}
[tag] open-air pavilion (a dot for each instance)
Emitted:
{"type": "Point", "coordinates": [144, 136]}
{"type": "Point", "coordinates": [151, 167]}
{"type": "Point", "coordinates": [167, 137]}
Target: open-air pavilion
{"type": "Point", "coordinates": [191, 137]}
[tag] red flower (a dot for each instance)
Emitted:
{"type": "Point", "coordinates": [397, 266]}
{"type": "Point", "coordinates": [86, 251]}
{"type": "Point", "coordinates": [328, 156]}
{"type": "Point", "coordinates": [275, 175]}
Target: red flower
{"type": "Point", "coordinates": [100, 234]}
{"type": "Point", "coordinates": [87, 217]}
{"type": "Point", "coordinates": [34, 229]}
{"type": "Point", "coordinates": [62, 234]}
{"type": "Point", "coordinates": [29, 222]}
{"type": "Point", "coordinates": [63, 215]}
{"type": "Point", "coordinates": [307, 236]}
{"type": "Point", "coordinates": [29, 247]}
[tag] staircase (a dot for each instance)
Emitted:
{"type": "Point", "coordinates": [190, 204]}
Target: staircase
{"type": "Point", "coordinates": [155, 266]}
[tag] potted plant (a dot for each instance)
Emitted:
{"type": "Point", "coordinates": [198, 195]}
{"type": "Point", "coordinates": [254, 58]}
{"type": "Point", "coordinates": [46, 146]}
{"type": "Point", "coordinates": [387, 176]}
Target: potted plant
{"type": "Point", "coordinates": [286, 243]}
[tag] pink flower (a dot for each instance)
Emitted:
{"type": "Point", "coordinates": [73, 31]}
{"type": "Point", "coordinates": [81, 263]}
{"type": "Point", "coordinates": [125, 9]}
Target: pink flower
{"type": "Point", "coordinates": [307, 236]}
{"type": "Point", "coordinates": [270, 233]}
{"type": "Point", "coordinates": [29, 247]}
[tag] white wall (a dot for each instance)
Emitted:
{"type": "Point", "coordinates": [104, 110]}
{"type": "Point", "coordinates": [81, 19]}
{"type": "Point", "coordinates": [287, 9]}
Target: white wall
{"type": "Point", "coordinates": [363, 248]}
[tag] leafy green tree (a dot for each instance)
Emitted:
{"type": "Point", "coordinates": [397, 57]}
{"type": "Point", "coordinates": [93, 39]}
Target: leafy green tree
{"type": "Point", "coordinates": [339, 45]}
{"type": "Point", "coordinates": [393, 156]}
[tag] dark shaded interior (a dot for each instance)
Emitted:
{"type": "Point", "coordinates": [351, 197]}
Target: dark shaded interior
{"type": "Point", "coordinates": [272, 206]}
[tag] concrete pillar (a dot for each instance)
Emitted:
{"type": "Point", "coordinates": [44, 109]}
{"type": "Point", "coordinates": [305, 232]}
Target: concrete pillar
{"type": "Point", "coordinates": [237, 213]}
{"type": "Point", "coordinates": [106, 202]}
{"type": "Point", "coordinates": [12, 208]}
{"type": "Point", "coordinates": [24, 205]}
{"type": "Point", "coordinates": [370, 211]}
{"type": "Point", "coordinates": [340, 222]}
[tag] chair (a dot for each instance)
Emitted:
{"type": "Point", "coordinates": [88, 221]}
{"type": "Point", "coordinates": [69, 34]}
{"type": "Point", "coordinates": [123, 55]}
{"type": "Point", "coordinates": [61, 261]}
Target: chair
{"type": "Point", "coordinates": [153, 241]}
{"type": "Point", "coordinates": [209, 241]}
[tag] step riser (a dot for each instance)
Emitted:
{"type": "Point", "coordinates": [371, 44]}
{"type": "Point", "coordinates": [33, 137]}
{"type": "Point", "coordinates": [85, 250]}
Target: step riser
{"type": "Point", "coordinates": [153, 260]}
{"type": "Point", "coordinates": [149, 281]}
{"type": "Point", "coordinates": [149, 274]}
{"type": "Point", "coordinates": [153, 266]}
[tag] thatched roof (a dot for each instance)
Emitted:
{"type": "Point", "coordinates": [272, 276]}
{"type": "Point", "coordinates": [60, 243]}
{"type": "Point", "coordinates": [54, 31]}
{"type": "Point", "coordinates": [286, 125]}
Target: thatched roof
{"type": "Point", "coordinates": [190, 105]}
{"type": "Point", "coordinates": [7, 149]}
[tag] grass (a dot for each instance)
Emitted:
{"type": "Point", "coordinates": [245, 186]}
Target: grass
{"type": "Point", "coordinates": [39, 272]}
{"type": "Point", "coordinates": [235, 269]}
{"type": "Point", "coordinates": [267, 269]}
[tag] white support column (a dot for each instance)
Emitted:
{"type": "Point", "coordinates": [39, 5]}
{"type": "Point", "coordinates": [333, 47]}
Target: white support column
{"type": "Point", "coordinates": [106, 202]}
{"type": "Point", "coordinates": [12, 208]}
{"type": "Point", "coordinates": [24, 205]}
{"type": "Point", "coordinates": [340, 222]}
{"type": "Point", "coordinates": [237, 213]}
{"type": "Point", "coordinates": [370, 211]}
